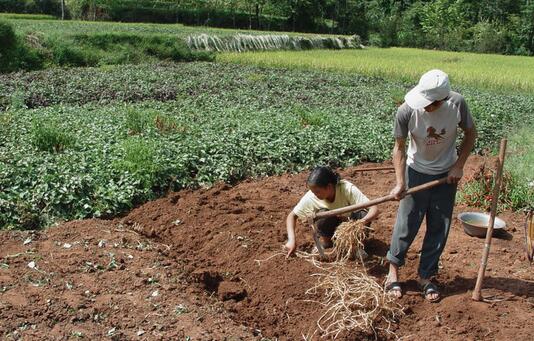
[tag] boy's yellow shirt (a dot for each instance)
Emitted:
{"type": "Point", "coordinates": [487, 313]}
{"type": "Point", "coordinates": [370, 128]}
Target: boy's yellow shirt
{"type": "Point", "coordinates": [346, 194]}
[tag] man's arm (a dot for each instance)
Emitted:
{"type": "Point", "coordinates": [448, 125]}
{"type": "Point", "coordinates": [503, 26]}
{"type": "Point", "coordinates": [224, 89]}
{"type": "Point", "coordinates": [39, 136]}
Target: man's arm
{"type": "Point", "coordinates": [399, 162]}
{"type": "Point", "coordinates": [468, 142]}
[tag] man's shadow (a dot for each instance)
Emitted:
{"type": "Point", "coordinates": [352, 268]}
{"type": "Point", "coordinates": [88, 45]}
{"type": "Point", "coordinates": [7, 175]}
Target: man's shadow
{"type": "Point", "coordinates": [376, 247]}
{"type": "Point", "coordinates": [459, 285]}
{"type": "Point", "coordinates": [516, 287]}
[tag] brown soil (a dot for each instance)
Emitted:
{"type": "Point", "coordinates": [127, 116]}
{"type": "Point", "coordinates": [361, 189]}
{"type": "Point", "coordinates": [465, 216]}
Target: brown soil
{"type": "Point", "coordinates": [189, 266]}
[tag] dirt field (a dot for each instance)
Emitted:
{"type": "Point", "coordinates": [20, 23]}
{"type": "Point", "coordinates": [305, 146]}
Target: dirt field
{"type": "Point", "coordinates": [185, 268]}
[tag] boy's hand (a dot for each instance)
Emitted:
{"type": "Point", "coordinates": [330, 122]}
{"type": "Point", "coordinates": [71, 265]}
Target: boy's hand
{"type": "Point", "coordinates": [290, 247]}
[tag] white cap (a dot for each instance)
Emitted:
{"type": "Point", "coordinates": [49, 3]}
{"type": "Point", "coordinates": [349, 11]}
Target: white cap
{"type": "Point", "coordinates": [433, 86]}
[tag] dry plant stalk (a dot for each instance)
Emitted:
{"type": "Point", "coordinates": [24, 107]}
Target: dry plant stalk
{"type": "Point", "coordinates": [354, 301]}
{"type": "Point", "coordinates": [348, 240]}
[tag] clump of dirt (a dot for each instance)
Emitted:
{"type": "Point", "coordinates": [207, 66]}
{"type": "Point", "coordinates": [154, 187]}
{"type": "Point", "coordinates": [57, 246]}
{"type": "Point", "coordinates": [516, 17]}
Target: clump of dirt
{"type": "Point", "coordinates": [208, 265]}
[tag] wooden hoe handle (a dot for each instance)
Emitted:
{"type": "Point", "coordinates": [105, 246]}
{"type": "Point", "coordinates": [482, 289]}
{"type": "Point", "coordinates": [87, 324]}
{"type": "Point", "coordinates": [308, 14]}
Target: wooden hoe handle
{"type": "Point", "coordinates": [377, 201]}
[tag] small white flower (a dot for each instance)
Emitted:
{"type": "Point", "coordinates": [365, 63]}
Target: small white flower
{"type": "Point", "coordinates": [32, 265]}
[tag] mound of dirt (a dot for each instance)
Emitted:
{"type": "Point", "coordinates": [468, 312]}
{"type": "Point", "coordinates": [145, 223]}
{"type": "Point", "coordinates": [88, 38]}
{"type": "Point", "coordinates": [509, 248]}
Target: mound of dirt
{"type": "Point", "coordinates": [208, 265]}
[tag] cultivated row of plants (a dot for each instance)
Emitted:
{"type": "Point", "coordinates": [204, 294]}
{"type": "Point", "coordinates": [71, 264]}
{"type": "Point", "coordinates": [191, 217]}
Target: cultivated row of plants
{"type": "Point", "coordinates": [68, 156]}
{"type": "Point", "coordinates": [496, 114]}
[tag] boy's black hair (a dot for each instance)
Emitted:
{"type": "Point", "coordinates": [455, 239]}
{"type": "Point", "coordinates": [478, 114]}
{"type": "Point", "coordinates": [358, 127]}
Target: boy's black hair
{"type": "Point", "coordinates": [323, 176]}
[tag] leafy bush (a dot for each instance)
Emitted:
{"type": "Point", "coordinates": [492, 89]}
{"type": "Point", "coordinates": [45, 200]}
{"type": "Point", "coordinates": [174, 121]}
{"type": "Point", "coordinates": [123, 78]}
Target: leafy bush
{"type": "Point", "coordinates": [8, 42]}
{"type": "Point", "coordinates": [162, 47]}
{"type": "Point", "coordinates": [65, 54]}
{"type": "Point", "coordinates": [7, 36]}
{"type": "Point", "coordinates": [171, 12]}
{"type": "Point", "coordinates": [14, 53]}
{"type": "Point", "coordinates": [29, 6]}
{"type": "Point", "coordinates": [488, 37]}
{"type": "Point", "coordinates": [517, 191]}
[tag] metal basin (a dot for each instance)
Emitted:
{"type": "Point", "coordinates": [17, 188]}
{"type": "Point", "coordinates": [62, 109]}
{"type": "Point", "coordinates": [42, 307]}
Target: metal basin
{"type": "Point", "coordinates": [476, 224]}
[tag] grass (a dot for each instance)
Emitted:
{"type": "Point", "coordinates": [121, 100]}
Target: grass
{"type": "Point", "coordinates": [520, 165]}
{"type": "Point", "coordinates": [69, 27]}
{"type": "Point", "coordinates": [19, 16]}
{"type": "Point", "coordinates": [486, 71]}
{"type": "Point", "coordinates": [49, 137]}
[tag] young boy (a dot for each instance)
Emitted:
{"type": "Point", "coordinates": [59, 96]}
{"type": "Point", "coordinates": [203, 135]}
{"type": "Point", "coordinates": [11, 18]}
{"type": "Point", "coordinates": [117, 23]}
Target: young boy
{"type": "Point", "coordinates": [326, 192]}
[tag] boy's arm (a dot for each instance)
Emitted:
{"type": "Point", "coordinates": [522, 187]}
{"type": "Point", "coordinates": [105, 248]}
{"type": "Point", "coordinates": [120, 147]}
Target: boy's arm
{"type": "Point", "coordinates": [291, 244]}
{"type": "Point", "coordinates": [371, 215]}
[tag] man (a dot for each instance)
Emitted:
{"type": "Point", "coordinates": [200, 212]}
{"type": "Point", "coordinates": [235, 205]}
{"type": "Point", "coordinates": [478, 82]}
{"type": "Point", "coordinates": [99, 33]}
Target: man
{"type": "Point", "coordinates": [430, 117]}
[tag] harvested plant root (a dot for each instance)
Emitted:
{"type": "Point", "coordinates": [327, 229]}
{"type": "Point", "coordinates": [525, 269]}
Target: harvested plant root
{"type": "Point", "coordinates": [353, 301]}
{"type": "Point", "coordinates": [348, 240]}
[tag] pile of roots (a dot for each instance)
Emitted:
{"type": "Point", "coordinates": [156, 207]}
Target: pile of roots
{"type": "Point", "coordinates": [353, 299]}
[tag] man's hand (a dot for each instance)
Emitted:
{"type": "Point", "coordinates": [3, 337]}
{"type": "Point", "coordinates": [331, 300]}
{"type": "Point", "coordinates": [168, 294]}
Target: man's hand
{"type": "Point", "coordinates": [290, 247]}
{"type": "Point", "coordinates": [398, 192]}
{"type": "Point", "coordinates": [455, 174]}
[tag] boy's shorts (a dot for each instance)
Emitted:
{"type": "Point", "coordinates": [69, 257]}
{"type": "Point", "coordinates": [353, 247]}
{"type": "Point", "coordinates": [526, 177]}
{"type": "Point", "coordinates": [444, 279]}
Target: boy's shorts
{"type": "Point", "coordinates": [327, 226]}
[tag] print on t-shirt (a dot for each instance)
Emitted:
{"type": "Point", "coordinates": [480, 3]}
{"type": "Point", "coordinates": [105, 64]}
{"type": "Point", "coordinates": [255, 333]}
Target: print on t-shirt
{"type": "Point", "coordinates": [433, 137]}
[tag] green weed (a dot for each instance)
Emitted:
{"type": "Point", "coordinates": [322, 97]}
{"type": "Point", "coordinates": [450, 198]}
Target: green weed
{"type": "Point", "coordinates": [50, 137]}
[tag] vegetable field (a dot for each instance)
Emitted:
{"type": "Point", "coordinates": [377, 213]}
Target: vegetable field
{"type": "Point", "coordinates": [80, 143]}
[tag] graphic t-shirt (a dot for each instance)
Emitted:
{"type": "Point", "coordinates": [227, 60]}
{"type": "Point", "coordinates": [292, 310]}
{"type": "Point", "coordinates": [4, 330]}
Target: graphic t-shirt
{"type": "Point", "coordinates": [346, 194]}
{"type": "Point", "coordinates": [432, 145]}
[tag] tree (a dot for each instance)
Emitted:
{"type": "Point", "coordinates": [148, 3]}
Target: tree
{"type": "Point", "coordinates": [526, 30]}
{"type": "Point", "coordinates": [442, 20]}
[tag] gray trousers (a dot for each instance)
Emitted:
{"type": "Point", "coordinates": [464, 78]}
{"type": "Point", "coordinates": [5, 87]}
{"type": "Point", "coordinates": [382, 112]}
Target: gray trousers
{"type": "Point", "coordinates": [436, 204]}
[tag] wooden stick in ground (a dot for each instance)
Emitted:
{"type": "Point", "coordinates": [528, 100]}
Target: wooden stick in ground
{"type": "Point", "coordinates": [494, 200]}
{"type": "Point", "coordinates": [377, 201]}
